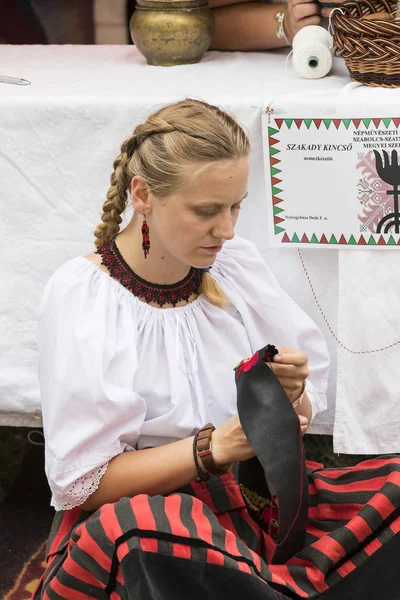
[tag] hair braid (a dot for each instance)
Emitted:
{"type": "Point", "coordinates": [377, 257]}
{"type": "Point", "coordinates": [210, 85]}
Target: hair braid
{"type": "Point", "coordinates": [117, 195]}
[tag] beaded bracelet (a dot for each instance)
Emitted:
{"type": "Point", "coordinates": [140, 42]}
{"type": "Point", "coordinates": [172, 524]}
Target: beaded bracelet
{"type": "Point", "coordinates": [280, 32]}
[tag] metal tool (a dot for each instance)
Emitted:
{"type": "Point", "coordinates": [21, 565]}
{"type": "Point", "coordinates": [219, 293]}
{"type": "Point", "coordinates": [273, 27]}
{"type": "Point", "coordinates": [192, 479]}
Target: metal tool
{"type": "Point", "coordinates": [14, 80]}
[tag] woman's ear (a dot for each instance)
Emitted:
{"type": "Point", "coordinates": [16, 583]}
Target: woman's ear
{"type": "Point", "coordinates": [140, 196]}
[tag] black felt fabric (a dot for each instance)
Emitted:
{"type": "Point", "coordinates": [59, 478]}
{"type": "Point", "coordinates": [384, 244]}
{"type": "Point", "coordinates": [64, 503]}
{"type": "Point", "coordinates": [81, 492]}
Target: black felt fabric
{"type": "Point", "coordinates": [272, 428]}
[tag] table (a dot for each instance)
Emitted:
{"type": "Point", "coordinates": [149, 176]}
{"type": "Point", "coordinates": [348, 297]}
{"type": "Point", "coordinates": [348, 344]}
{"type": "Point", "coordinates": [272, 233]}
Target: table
{"type": "Point", "coordinates": [59, 137]}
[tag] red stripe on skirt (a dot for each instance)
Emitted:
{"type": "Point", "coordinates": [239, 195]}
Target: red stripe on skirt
{"type": "Point", "coordinates": [202, 493]}
{"type": "Point", "coordinates": [395, 526]}
{"type": "Point", "coordinates": [71, 567]}
{"type": "Point", "coordinates": [172, 511]}
{"type": "Point", "coordinates": [365, 465]}
{"type": "Point", "coordinates": [204, 532]}
{"type": "Point", "coordinates": [330, 474]}
{"type": "Point", "coordinates": [68, 521]}
{"type": "Point", "coordinates": [317, 579]}
{"type": "Point", "coordinates": [87, 544]}
{"type": "Point", "coordinates": [372, 485]}
{"type": "Point", "coordinates": [330, 547]}
{"type": "Point", "coordinates": [283, 572]}
{"type": "Point", "coordinates": [244, 514]}
{"type": "Point", "coordinates": [145, 520]}
{"type": "Point", "coordinates": [231, 540]}
{"type": "Point", "coordinates": [359, 527]}
{"type": "Point", "coordinates": [315, 531]}
{"type": "Point", "coordinates": [373, 546]}
{"type": "Point", "coordinates": [66, 592]}
{"type": "Point", "coordinates": [346, 568]}
{"type": "Point", "coordinates": [234, 494]}
{"type": "Point", "coordinates": [332, 512]}
{"type": "Point", "coordinates": [382, 504]}
{"type": "Point", "coordinates": [225, 521]}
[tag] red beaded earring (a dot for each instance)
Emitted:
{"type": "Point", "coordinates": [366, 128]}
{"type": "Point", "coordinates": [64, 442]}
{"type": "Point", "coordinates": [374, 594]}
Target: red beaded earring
{"type": "Point", "coordinates": [145, 238]}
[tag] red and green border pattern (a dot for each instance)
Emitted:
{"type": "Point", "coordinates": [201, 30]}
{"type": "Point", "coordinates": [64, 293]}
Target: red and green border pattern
{"type": "Point", "coordinates": [277, 191]}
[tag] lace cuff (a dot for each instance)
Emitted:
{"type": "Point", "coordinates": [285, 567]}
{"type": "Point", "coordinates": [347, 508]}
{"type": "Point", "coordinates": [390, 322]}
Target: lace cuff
{"type": "Point", "coordinates": [79, 491]}
{"type": "Point", "coordinates": [317, 400]}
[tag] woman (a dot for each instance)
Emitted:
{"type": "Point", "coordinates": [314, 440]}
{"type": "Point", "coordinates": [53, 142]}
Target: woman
{"type": "Point", "coordinates": [250, 26]}
{"type": "Point", "coordinates": [138, 342]}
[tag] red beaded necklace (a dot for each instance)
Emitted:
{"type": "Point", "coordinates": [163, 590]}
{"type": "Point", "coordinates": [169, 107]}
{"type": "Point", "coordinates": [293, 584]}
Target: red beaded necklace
{"type": "Point", "coordinates": [150, 292]}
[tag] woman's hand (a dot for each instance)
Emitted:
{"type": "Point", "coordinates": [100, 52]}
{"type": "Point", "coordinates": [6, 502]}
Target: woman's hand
{"type": "Point", "coordinates": [230, 444]}
{"type": "Point", "coordinates": [299, 14]}
{"type": "Point", "coordinates": [291, 368]}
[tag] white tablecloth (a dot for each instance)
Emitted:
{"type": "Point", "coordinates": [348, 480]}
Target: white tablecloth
{"type": "Point", "coordinates": [59, 137]}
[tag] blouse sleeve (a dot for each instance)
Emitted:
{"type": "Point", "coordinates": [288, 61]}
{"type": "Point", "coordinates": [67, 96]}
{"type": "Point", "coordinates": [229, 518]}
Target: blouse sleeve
{"type": "Point", "coordinates": [87, 363]}
{"type": "Point", "coordinates": [269, 315]}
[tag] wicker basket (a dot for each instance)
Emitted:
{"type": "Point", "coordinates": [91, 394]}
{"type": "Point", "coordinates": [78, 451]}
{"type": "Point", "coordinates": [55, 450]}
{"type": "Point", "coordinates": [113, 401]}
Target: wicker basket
{"type": "Point", "coordinates": [370, 47]}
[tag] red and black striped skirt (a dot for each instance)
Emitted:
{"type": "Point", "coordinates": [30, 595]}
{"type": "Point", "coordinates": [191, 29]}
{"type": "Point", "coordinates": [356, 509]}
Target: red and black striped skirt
{"type": "Point", "coordinates": [215, 540]}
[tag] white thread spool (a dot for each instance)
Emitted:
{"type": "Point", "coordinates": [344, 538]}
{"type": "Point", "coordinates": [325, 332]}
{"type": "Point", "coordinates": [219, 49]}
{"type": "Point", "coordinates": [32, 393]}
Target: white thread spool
{"type": "Point", "coordinates": [312, 52]}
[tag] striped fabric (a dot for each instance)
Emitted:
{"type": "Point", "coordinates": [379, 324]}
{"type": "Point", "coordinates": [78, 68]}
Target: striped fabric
{"type": "Point", "coordinates": [353, 513]}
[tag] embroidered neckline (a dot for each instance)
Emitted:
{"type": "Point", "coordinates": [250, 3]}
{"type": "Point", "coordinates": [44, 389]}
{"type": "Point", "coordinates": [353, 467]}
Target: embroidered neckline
{"type": "Point", "coordinates": [160, 294]}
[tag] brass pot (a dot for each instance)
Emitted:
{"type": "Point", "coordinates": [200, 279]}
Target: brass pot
{"type": "Point", "coordinates": [172, 32]}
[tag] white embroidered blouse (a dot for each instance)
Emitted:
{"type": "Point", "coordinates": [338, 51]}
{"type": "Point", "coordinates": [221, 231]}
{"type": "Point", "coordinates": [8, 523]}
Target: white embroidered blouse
{"type": "Point", "coordinates": [119, 375]}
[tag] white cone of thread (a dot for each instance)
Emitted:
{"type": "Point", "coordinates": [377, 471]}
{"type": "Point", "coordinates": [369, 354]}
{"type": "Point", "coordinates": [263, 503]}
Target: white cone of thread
{"type": "Point", "coordinates": [312, 52]}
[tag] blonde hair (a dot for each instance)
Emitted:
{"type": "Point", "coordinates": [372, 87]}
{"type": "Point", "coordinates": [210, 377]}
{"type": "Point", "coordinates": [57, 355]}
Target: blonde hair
{"type": "Point", "coordinates": [174, 137]}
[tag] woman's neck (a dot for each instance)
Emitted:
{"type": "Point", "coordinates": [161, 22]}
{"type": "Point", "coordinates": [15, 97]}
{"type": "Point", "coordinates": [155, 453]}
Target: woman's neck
{"type": "Point", "coordinates": [158, 267]}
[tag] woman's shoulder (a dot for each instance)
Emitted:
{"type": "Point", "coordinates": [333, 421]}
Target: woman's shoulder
{"type": "Point", "coordinates": [82, 279]}
{"type": "Point", "coordinates": [239, 253]}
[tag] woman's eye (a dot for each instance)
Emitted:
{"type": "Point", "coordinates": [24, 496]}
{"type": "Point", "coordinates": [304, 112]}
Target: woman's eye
{"type": "Point", "coordinates": [213, 213]}
{"type": "Point", "coordinates": [204, 213]}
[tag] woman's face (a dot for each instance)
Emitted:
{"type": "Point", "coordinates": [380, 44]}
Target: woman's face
{"type": "Point", "coordinates": [192, 224]}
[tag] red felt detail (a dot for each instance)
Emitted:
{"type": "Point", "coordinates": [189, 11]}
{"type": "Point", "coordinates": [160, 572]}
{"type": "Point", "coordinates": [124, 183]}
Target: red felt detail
{"type": "Point", "coordinates": [246, 364]}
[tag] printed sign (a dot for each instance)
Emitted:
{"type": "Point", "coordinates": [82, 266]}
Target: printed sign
{"type": "Point", "coordinates": [333, 182]}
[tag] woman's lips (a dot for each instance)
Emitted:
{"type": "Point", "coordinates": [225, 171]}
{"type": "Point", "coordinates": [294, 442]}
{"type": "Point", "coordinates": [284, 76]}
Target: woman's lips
{"type": "Point", "coordinates": [212, 249]}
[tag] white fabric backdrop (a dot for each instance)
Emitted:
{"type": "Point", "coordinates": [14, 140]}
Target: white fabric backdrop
{"type": "Point", "coordinates": [59, 137]}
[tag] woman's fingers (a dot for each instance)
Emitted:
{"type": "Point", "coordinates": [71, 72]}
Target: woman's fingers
{"type": "Point", "coordinates": [305, 9]}
{"type": "Point", "coordinates": [290, 371]}
{"type": "Point", "coordinates": [301, 13]}
{"type": "Point", "coordinates": [290, 356]}
{"type": "Point", "coordinates": [303, 421]}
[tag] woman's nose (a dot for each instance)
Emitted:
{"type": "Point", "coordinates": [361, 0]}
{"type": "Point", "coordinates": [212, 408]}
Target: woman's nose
{"type": "Point", "coordinates": [225, 228]}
